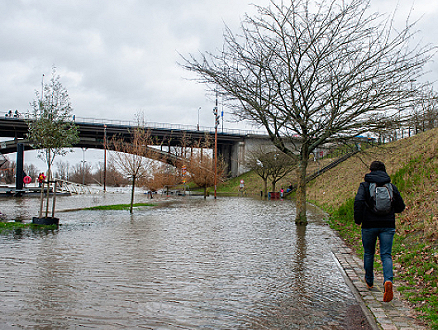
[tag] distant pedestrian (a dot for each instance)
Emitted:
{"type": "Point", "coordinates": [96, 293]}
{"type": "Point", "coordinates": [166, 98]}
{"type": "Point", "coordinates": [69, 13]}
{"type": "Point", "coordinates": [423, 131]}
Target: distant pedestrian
{"type": "Point", "coordinates": [378, 221]}
{"type": "Point", "coordinates": [41, 178]}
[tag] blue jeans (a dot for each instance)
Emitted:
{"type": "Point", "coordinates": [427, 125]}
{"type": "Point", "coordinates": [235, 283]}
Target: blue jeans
{"type": "Point", "coordinates": [369, 238]}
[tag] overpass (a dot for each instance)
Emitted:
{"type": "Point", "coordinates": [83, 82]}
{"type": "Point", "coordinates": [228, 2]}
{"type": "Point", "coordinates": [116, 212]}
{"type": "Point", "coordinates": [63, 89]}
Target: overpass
{"type": "Point", "coordinates": [232, 143]}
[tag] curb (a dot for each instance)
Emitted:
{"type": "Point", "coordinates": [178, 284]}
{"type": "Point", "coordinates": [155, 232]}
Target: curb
{"type": "Point", "coordinates": [369, 316]}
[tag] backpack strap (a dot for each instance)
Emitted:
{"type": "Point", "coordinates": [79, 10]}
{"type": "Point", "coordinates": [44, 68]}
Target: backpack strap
{"type": "Point", "coordinates": [372, 190]}
{"type": "Point", "coordinates": [390, 190]}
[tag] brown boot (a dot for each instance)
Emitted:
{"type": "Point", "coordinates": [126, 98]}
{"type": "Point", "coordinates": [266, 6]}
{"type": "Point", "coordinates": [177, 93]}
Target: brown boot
{"type": "Point", "coordinates": [388, 294]}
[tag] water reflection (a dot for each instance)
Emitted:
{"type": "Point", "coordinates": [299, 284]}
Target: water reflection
{"type": "Point", "coordinates": [225, 264]}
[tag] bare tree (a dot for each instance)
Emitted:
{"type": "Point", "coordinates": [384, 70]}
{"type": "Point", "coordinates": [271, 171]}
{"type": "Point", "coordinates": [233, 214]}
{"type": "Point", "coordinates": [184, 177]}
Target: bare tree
{"type": "Point", "coordinates": [62, 170]}
{"type": "Point", "coordinates": [201, 170]}
{"type": "Point", "coordinates": [425, 111]}
{"type": "Point", "coordinates": [268, 163]}
{"type": "Point", "coordinates": [256, 162]}
{"type": "Point", "coordinates": [130, 157]}
{"type": "Point", "coordinates": [81, 173]}
{"type": "Point", "coordinates": [31, 170]}
{"type": "Point", "coordinates": [280, 165]}
{"type": "Point", "coordinates": [8, 171]}
{"type": "Point", "coordinates": [163, 176]}
{"type": "Point", "coordinates": [113, 177]}
{"type": "Point", "coordinates": [314, 72]}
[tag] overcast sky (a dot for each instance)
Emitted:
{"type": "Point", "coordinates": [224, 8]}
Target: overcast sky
{"type": "Point", "coordinates": [114, 57]}
{"type": "Point", "coordinates": [119, 57]}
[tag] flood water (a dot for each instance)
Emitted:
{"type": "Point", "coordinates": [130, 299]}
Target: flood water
{"type": "Point", "coordinates": [230, 263]}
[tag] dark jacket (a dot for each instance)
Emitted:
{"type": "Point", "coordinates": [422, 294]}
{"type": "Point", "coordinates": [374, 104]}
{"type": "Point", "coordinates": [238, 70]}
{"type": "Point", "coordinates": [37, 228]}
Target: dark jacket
{"type": "Point", "coordinates": [362, 212]}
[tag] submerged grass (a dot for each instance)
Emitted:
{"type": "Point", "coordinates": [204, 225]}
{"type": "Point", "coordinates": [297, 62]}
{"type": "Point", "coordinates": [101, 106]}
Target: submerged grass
{"type": "Point", "coordinates": [118, 206]}
{"type": "Point", "coordinates": [8, 226]}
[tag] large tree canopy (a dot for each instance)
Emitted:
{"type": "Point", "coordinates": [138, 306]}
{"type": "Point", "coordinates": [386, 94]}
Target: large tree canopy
{"type": "Point", "coordinates": [320, 71]}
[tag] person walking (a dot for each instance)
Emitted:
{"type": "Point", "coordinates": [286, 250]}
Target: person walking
{"type": "Point", "coordinates": [376, 202]}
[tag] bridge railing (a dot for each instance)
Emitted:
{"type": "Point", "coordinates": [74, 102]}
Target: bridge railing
{"type": "Point", "coordinates": [75, 188]}
{"type": "Point", "coordinates": [132, 123]}
{"type": "Point", "coordinates": [167, 126]}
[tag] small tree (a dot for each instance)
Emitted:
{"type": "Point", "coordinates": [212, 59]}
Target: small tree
{"type": "Point", "coordinates": [256, 162]}
{"type": "Point", "coordinates": [163, 176]}
{"type": "Point", "coordinates": [279, 165]}
{"type": "Point", "coordinates": [51, 129]}
{"type": "Point", "coordinates": [131, 157]}
{"type": "Point", "coordinates": [201, 170]}
{"type": "Point", "coordinates": [268, 163]}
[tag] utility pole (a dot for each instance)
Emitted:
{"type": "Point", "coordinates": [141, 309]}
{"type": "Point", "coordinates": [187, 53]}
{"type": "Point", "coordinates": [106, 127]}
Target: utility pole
{"type": "Point", "coordinates": [216, 124]}
{"type": "Point", "coordinates": [104, 157]}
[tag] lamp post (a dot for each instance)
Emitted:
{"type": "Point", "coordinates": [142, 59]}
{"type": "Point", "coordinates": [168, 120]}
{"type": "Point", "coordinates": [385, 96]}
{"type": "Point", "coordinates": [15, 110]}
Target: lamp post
{"type": "Point", "coordinates": [216, 124]}
{"type": "Point", "coordinates": [83, 165]}
{"type": "Point", "coordinates": [104, 158]}
{"type": "Point", "coordinates": [198, 117]}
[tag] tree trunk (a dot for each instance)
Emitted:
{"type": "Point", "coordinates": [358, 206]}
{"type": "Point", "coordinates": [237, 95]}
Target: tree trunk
{"type": "Point", "coordinates": [265, 187]}
{"type": "Point", "coordinates": [132, 194]}
{"type": "Point", "coordinates": [301, 217]}
{"type": "Point", "coordinates": [205, 192]}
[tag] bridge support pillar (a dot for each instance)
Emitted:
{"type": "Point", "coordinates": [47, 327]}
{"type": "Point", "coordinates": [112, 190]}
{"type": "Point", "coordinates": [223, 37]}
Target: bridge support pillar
{"type": "Point", "coordinates": [19, 167]}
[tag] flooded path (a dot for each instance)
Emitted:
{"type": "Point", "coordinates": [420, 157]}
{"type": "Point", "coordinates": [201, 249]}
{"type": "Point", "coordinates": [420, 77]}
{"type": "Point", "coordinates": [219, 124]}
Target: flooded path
{"type": "Point", "coordinates": [230, 263]}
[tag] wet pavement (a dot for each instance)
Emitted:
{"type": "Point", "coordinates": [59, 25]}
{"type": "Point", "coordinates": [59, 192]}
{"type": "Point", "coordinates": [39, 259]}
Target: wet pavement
{"type": "Point", "coordinates": [231, 263]}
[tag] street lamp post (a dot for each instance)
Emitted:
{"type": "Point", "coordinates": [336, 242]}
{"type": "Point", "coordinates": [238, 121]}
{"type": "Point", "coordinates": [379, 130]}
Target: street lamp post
{"type": "Point", "coordinates": [198, 117]}
{"type": "Point", "coordinates": [83, 165]}
{"type": "Point", "coordinates": [216, 124]}
{"type": "Point", "coordinates": [104, 158]}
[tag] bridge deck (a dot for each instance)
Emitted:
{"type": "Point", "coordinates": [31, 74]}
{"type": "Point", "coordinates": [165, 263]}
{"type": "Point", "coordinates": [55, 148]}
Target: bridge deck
{"type": "Point", "coordinates": [92, 132]}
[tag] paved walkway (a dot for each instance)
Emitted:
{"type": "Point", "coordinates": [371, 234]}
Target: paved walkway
{"type": "Point", "coordinates": [395, 315]}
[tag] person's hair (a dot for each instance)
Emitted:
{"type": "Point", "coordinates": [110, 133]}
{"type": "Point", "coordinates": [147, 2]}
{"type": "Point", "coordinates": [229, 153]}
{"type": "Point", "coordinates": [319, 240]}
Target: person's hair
{"type": "Point", "coordinates": [377, 166]}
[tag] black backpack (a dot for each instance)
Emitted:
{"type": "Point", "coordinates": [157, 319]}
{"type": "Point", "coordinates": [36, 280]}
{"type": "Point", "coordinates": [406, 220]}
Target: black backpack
{"type": "Point", "coordinates": [381, 198]}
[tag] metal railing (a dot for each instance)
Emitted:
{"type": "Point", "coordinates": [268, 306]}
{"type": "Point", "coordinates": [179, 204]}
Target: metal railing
{"type": "Point", "coordinates": [132, 123]}
{"type": "Point", "coordinates": [75, 188]}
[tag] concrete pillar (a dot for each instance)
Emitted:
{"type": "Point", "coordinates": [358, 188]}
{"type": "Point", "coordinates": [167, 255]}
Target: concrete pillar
{"type": "Point", "coordinates": [19, 167]}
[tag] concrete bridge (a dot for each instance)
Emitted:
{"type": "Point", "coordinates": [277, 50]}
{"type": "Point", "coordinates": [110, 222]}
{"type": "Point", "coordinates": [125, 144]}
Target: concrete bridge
{"type": "Point", "coordinates": [233, 144]}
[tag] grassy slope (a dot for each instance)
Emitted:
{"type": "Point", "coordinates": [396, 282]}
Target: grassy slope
{"type": "Point", "coordinates": [412, 164]}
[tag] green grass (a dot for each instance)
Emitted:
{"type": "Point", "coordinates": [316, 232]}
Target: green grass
{"type": "Point", "coordinates": [118, 206]}
{"type": "Point", "coordinates": [8, 226]}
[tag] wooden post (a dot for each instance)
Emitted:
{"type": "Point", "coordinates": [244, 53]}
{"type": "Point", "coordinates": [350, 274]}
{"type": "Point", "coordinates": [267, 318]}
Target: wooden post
{"type": "Point", "coordinates": [54, 199]}
{"type": "Point", "coordinates": [42, 200]}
